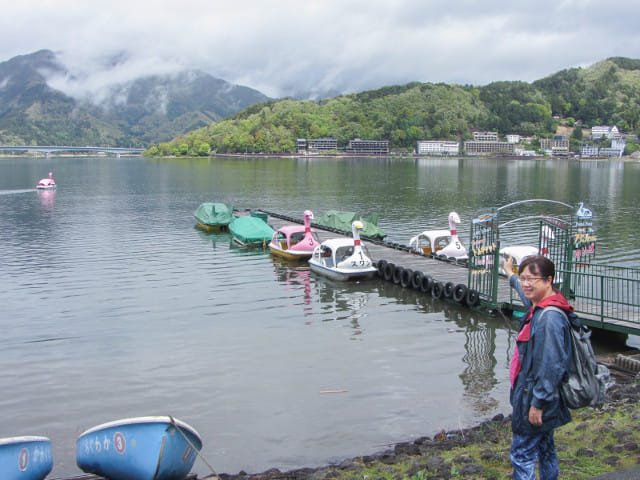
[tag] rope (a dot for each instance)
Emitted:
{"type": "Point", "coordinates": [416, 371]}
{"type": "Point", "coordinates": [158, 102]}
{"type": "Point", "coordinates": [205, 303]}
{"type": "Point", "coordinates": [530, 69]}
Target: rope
{"type": "Point", "coordinates": [213, 472]}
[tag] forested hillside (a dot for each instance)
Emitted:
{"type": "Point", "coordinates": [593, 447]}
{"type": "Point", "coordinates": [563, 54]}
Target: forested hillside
{"type": "Point", "coordinates": [605, 93]}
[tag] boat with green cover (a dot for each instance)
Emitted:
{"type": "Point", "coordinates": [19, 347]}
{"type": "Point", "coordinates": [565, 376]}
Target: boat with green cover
{"type": "Point", "coordinates": [343, 221]}
{"type": "Point", "coordinates": [251, 231]}
{"type": "Point", "coordinates": [213, 216]}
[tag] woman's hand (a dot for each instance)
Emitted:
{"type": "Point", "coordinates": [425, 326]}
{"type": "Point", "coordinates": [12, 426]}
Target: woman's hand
{"type": "Point", "coordinates": [507, 265]}
{"type": "Point", "coordinates": [535, 416]}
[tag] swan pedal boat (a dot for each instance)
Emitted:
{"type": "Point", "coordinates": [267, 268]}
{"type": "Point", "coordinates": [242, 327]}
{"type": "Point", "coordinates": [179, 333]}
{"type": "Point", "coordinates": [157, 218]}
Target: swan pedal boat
{"type": "Point", "coordinates": [295, 242]}
{"type": "Point", "coordinates": [213, 216]}
{"type": "Point", "coordinates": [46, 183]}
{"type": "Point", "coordinates": [343, 258]}
{"type": "Point", "coordinates": [520, 252]}
{"type": "Point", "coordinates": [441, 243]}
{"type": "Point", "coordinates": [142, 448]}
{"type": "Point", "coordinates": [25, 458]}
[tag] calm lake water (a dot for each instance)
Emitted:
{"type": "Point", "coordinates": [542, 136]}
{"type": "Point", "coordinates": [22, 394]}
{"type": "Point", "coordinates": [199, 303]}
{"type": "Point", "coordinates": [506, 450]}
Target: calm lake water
{"type": "Point", "coordinates": [113, 305]}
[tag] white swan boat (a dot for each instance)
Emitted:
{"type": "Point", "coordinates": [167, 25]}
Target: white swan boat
{"type": "Point", "coordinates": [441, 243]}
{"type": "Point", "coordinates": [520, 252]}
{"type": "Point", "coordinates": [343, 258]}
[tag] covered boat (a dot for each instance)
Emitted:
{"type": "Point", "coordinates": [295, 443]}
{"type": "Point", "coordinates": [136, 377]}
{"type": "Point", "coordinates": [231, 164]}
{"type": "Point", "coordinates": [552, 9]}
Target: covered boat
{"type": "Point", "coordinates": [343, 258]}
{"type": "Point", "coordinates": [295, 242]}
{"type": "Point", "coordinates": [251, 231]}
{"type": "Point", "coordinates": [143, 448]}
{"type": "Point", "coordinates": [46, 183]}
{"type": "Point", "coordinates": [213, 216]}
{"type": "Point", "coordinates": [441, 243]}
{"type": "Point", "coordinates": [343, 220]}
{"type": "Point", "coordinates": [25, 458]}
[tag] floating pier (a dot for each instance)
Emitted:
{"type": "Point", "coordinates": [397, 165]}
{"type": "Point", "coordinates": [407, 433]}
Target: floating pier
{"type": "Point", "coordinates": [606, 299]}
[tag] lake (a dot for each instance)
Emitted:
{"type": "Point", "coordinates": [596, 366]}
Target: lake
{"type": "Point", "coordinates": [114, 305]}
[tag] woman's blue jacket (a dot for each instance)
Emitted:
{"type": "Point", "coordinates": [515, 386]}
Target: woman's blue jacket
{"type": "Point", "coordinates": [544, 359]}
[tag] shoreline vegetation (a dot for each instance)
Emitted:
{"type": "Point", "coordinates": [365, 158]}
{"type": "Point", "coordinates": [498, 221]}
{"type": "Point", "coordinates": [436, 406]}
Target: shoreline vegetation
{"type": "Point", "coordinates": [596, 442]}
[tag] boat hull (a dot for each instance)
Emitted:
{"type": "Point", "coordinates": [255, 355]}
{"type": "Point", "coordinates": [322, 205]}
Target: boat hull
{"type": "Point", "coordinates": [145, 448]}
{"type": "Point", "coordinates": [342, 274]}
{"type": "Point", "coordinates": [289, 254]}
{"type": "Point", "coordinates": [212, 228]}
{"type": "Point", "coordinates": [25, 458]}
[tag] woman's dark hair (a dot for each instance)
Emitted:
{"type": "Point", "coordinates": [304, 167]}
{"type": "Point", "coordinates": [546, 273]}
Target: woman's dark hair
{"type": "Point", "coordinates": [539, 265]}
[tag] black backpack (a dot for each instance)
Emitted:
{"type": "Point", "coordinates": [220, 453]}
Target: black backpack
{"type": "Point", "coordinates": [585, 384]}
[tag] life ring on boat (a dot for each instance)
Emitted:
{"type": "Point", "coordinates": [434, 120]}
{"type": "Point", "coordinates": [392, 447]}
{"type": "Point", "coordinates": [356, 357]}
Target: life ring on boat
{"type": "Point", "coordinates": [449, 287]}
{"type": "Point", "coordinates": [416, 279]}
{"type": "Point", "coordinates": [405, 277]}
{"type": "Point", "coordinates": [380, 266]}
{"type": "Point", "coordinates": [427, 284]}
{"type": "Point", "coordinates": [437, 291]}
{"type": "Point", "coordinates": [397, 274]}
{"type": "Point", "coordinates": [473, 297]}
{"type": "Point", "coordinates": [460, 293]}
{"type": "Point", "coordinates": [389, 268]}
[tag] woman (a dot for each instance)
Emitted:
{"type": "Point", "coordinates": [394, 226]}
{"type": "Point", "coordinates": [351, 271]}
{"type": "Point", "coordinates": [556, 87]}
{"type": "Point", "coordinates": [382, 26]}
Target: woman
{"type": "Point", "coordinates": [540, 361]}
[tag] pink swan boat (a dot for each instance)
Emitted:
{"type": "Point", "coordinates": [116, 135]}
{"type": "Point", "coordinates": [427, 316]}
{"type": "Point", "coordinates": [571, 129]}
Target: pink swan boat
{"type": "Point", "coordinates": [295, 242]}
{"type": "Point", "coordinates": [47, 183]}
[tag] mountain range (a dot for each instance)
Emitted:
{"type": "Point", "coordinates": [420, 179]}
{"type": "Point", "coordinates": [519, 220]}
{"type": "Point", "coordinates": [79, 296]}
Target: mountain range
{"type": "Point", "coordinates": [135, 113]}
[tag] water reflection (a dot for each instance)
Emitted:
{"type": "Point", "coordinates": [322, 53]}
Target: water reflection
{"type": "Point", "coordinates": [479, 377]}
{"type": "Point", "coordinates": [46, 198]}
{"type": "Point", "coordinates": [217, 239]}
{"type": "Point", "coordinates": [295, 276]}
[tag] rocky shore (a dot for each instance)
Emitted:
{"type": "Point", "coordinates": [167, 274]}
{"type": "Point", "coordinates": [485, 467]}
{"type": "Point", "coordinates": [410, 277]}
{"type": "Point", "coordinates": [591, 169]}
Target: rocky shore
{"type": "Point", "coordinates": [597, 441]}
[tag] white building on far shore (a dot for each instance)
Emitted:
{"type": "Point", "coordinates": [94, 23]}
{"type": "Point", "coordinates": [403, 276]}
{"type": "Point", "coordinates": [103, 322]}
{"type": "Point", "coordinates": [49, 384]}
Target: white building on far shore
{"type": "Point", "coordinates": [437, 147]}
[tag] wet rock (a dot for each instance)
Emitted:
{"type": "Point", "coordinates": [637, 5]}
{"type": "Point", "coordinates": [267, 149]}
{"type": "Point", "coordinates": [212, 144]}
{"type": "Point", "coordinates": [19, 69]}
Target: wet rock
{"type": "Point", "coordinates": [615, 448]}
{"type": "Point", "coordinates": [407, 449]}
{"type": "Point", "coordinates": [464, 459]}
{"type": "Point", "coordinates": [612, 460]}
{"type": "Point", "coordinates": [470, 469]}
{"type": "Point", "coordinates": [586, 452]}
{"type": "Point", "coordinates": [347, 465]}
{"type": "Point", "coordinates": [622, 434]}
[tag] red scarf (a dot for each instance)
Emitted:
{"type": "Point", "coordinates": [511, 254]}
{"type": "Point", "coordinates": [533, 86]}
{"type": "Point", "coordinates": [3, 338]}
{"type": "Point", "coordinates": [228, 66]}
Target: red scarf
{"type": "Point", "coordinates": [557, 300]}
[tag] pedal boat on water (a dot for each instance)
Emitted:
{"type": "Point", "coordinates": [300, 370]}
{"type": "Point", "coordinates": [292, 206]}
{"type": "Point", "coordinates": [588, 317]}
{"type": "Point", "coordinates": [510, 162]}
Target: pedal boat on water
{"type": "Point", "coordinates": [213, 217]}
{"type": "Point", "coordinates": [142, 448]}
{"type": "Point", "coordinates": [251, 231]}
{"type": "Point", "coordinates": [295, 242]}
{"type": "Point", "coordinates": [443, 244]}
{"type": "Point", "coordinates": [343, 258]}
{"type": "Point", "coordinates": [47, 183]}
{"type": "Point", "coordinates": [25, 458]}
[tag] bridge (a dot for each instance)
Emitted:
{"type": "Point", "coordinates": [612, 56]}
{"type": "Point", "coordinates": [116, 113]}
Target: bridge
{"type": "Point", "coordinates": [48, 150]}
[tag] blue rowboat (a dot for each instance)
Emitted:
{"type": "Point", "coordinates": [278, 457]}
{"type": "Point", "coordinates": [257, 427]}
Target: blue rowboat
{"type": "Point", "coordinates": [25, 458]}
{"type": "Point", "coordinates": [143, 448]}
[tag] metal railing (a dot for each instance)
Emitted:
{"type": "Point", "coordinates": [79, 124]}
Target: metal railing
{"type": "Point", "coordinates": [603, 292]}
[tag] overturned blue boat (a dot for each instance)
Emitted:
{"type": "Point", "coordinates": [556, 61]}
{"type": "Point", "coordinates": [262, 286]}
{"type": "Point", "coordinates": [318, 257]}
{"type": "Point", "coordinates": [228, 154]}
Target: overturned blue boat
{"type": "Point", "coordinates": [143, 448]}
{"type": "Point", "coordinates": [25, 458]}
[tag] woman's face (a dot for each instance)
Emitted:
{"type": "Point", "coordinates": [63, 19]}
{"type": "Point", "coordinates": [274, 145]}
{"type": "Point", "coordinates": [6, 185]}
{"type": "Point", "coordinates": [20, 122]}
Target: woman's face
{"type": "Point", "coordinates": [534, 286]}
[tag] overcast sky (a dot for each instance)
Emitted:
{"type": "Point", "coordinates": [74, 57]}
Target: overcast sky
{"type": "Point", "coordinates": [281, 47]}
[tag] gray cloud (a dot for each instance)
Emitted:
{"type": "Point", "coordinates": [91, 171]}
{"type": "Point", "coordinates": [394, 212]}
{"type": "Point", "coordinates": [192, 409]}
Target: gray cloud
{"type": "Point", "coordinates": [285, 46]}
